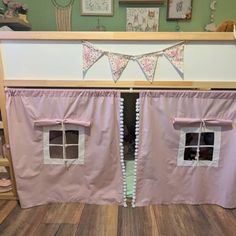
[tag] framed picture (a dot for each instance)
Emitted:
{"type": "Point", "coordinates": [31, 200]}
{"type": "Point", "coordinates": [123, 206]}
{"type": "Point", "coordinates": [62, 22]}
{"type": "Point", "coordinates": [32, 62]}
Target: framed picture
{"type": "Point", "coordinates": [97, 7]}
{"type": "Point", "coordinates": [179, 9]}
{"type": "Point", "coordinates": [142, 19]}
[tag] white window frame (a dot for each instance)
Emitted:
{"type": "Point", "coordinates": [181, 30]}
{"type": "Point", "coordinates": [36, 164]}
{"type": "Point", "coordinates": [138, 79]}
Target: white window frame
{"type": "Point", "coordinates": [81, 144]}
{"type": "Point", "coordinates": [216, 146]}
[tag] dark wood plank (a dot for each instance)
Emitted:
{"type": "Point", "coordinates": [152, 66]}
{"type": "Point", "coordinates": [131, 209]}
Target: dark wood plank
{"type": "Point", "coordinates": [34, 220]}
{"type": "Point", "coordinates": [64, 213]}
{"type": "Point", "coordinates": [169, 223]}
{"type": "Point", "coordinates": [181, 220]}
{"type": "Point", "coordinates": [232, 212]}
{"type": "Point", "coordinates": [46, 230]}
{"type": "Point", "coordinates": [98, 221]}
{"type": "Point", "coordinates": [5, 209]}
{"type": "Point", "coordinates": [200, 222]}
{"type": "Point", "coordinates": [125, 221]}
{"type": "Point", "coordinates": [221, 219]}
{"type": "Point", "coordinates": [23, 221]}
{"type": "Point", "coordinates": [77, 219]}
{"type": "Point", "coordinates": [67, 229]}
{"type": "Point", "coordinates": [137, 221]}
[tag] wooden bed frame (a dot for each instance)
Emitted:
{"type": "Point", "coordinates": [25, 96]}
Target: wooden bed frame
{"type": "Point", "coordinates": [125, 86]}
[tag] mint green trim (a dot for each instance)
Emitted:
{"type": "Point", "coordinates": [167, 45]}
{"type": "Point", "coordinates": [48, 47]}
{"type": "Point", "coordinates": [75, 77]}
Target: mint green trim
{"type": "Point", "coordinates": [129, 177]}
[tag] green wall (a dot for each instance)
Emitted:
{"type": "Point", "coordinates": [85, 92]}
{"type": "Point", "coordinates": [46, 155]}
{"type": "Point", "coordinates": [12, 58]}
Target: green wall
{"type": "Point", "coordinates": [42, 17]}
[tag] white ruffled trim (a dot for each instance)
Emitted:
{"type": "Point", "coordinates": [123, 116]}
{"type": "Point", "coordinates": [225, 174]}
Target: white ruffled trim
{"type": "Point", "coordinates": [136, 152]}
{"type": "Point", "coordinates": [122, 151]}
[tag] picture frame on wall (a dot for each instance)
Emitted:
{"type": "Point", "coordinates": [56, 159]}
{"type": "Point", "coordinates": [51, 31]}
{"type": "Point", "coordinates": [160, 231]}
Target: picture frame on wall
{"type": "Point", "coordinates": [96, 7]}
{"type": "Point", "coordinates": [142, 19]}
{"type": "Point", "coordinates": [179, 10]}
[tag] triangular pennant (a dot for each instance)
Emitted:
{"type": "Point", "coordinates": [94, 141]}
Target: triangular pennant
{"type": "Point", "coordinates": [148, 65]}
{"type": "Point", "coordinates": [90, 56]}
{"type": "Point", "coordinates": [118, 63]}
{"type": "Point", "coordinates": [175, 55]}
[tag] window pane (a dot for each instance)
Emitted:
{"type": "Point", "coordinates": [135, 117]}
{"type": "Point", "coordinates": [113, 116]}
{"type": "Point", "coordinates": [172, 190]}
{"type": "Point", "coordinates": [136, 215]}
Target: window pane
{"type": "Point", "coordinates": [55, 137]}
{"type": "Point", "coordinates": [72, 152]}
{"type": "Point", "coordinates": [206, 154]}
{"type": "Point", "coordinates": [72, 136]}
{"type": "Point", "coordinates": [207, 138]}
{"type": "Point", "coordinates": [56, 152]}
{"type": "Point", "coordinates": [191, 139]}
{"type": "Point", "coordinates": [190, 154]}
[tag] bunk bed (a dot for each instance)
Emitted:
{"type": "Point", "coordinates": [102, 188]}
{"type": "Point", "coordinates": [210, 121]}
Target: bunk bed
{"type": "Point", "coordinates": [51, 65]}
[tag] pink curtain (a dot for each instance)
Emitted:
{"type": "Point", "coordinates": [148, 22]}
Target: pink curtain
{"type": "Point", "coordinates": [99, 180]}
{"type": "Point", "coordinates": [159, 180]}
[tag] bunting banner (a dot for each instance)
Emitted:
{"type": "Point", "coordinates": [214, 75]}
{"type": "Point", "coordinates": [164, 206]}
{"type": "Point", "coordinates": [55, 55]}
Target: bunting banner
{"type": "Point", "coordinates": [147, 62]}
{"type": "Point", "coordinates": [118, 63]}
{"type": "Point", "coordinates": [175, 55]}
{"type": "Point", "coordinates": [148, 65]}
{"type": "Point", "coordinates": [90, 56]}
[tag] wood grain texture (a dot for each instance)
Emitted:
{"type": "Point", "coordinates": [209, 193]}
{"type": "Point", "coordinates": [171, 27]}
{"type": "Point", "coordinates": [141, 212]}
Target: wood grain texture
{"type": "Point", "coordinates": [46, 230]}
{"type": "Point", "coordinates": [98, 221]}
{"type": "Point", "coordinates": [122, 84]}
{"type": "Point", "coordinates": [5, 209]}
{"type": "Point", "coordinates": [67, 229]}
{"type": "Point", "coordinates": [62, 213]}
{"type": "Point", "coordinates": [90, 220]}
{"type": "Point", "coordinates": [218, 217]}
{"type": "Point", "coordinates": [128, 36]}
{"type": "Point", "coordinates": [12, 194]}
{"type": "Point", "coordinates": [23, 221]}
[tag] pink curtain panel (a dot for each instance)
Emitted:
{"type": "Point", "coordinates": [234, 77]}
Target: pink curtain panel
{"type": "Point", "coordinates": [186, 148]}
{"type": "Point", "coordinates": [65, 145]}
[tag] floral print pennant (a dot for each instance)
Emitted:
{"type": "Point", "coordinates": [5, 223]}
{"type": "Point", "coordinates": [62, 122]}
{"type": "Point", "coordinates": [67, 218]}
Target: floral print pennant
{"type": "Point", "coordinates": [147, 62]}
{"type": "Point", "coordinates": [118, 63]}
{"type": "Point", "coordinates": [175, 55]}
{"type": "Point", "coordinates": [90, 56]}
{"type": "Point", "coordinates": [148, 65]}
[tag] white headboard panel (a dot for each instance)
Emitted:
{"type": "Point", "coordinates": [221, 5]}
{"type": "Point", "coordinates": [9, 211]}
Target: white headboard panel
{"type": "Point", "coordinates": [62, 60]}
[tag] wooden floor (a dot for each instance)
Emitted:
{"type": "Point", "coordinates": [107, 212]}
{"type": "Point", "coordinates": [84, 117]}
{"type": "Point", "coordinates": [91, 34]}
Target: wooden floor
{"type": "Point", "coordinates": [88, 220]}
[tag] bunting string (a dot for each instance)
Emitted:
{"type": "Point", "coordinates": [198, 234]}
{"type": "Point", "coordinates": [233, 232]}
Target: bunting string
{"type": "Point", "coordinates": [147, 62]}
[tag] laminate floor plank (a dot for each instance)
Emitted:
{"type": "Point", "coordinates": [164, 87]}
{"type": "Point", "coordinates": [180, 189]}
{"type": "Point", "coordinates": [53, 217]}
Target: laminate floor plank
{"type": "Point", "coordinates": [46, 230]}
{"type": "Point", "coordinates": [233, 212]}
{"type": "Point", "coordinates": [22, 221]}
{"type": "Point", "coordinates": [181, 220]}
{"type": "Point", "coordinates": [144, 221]}
{"type": "Point", "coordinates": [97, 220]}
{"type": "Point", "coordinates": [64, 213]}
{"type": "Point", "coordinates": [34, 220]}
{"type": "Point", "coordinates": [5, 209]}
{"type": "Point", "coordinates": [126, 225]}
{"type": "Point", "coordinates": [220, 219]}
{"type": "Point", "coordinates": [73, 219]}
{"type": "Point", "coordinates": [67, 230]}
{"type": "Point", "coordinates": [164, 220]}
{"type": "Point", "coordinates": [200, 222]}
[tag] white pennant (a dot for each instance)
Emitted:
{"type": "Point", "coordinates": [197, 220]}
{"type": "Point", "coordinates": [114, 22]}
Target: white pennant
{"type": "Point", "coordinates": [90, 56]}
{"type": "Point", "coordinates": [118, 63]}
{"type": "Point", "coordinates": [148, 65]}
{"type": "Point", "coordinates": [175, 55]}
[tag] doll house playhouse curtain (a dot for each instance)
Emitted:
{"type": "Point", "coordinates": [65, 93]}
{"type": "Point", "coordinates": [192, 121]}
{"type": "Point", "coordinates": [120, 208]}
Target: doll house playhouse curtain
{"type": "Point", "coordinates": [65, 145]}
{"type": "Point", "coordinates": [186, 148]}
